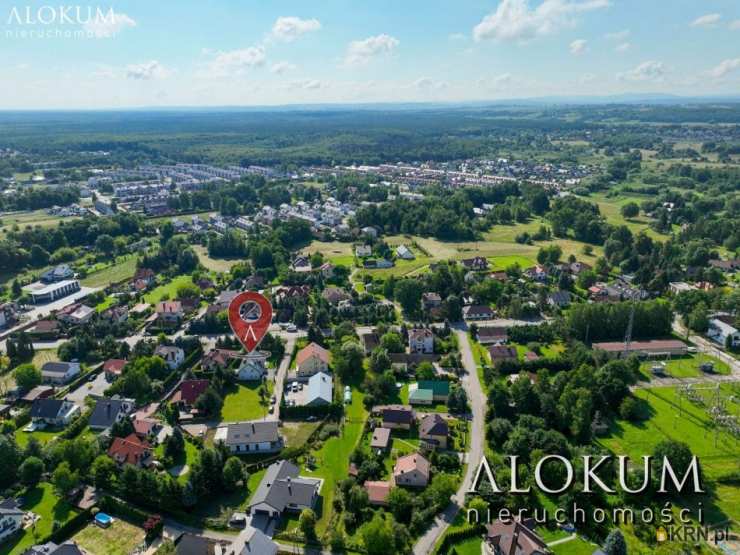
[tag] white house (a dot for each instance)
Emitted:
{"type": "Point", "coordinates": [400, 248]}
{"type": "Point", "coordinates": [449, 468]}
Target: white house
{"type": "Point", "coordinates": [53, 412]}
{"type": "Point", "coordinates": [320, 389]}
{"type": "Point", "coordinates": [253, 367]}
{"type": "Point", "coordinates": [719, 331]}
{"type": "Point", "coordinates": [402, 251]}
{"type": "Point", "coordinates": [257, 436]}
{"type": "Point", "coordinates": [421, 340]}
{"type": "Point", "coordinates": [11, 518]}
{"type": "Point", "coordinates": [173, 356]}
{"type": "Point", "coordinates": [362, 251]}
{"type": "Point", "coordinates": [59, 372]}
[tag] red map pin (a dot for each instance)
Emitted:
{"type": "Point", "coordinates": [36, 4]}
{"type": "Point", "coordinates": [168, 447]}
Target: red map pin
{"type": "Point", "coordinates": [250, 315]}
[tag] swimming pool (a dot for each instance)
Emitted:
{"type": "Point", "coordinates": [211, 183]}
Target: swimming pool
{"type": "Point", "coordinates": [104, 520]}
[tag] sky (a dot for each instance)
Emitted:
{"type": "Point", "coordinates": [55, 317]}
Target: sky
{"type": "Point", "coordinates": [70, 54]}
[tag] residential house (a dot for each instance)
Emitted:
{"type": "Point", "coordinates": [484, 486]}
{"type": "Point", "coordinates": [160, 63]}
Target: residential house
{"type": "Point", "coordinates": [377, 492]}
{"type": "Point", "coordinates": [370, 231]}
{"type": "Point", "coordinates": [81, 314]}
{"type": "Point", "coordinates": [477, 312]}
{"type": "Point", "coordinates": [144, 275]}
{"type": "Point", "coordinates": [559, 299]}
{"type": "Point", "coordinates": [476, 263]}
{"type": "Point", "coordinates": [282, 490]}
{"type": "Point", "coordinates": [115, 315]}
{"type": "Point", "coordinates": [403, 252]}
{"type": "Point", "coordinates": [381, 439]}
{"type": "Point", "coordinates": [327, 270]}
{"type": "Point", "coordinates": [258, 436]}
{"type": "Point", "coordinates": [11, 518]}
{"type": "Point", "coordinates": [427, 392]}
{"type": "Point", "coordinates": [311, 359]}
{"type": "Point", "coordinates": [253, 366]}
{"type": "Point", "coordinates": [59, 373]}
{"type": "Point", "coordinates": [223, 301]}
{"type": "Point", "coordinates": [218, 358]}
{"type": "Point", "coordinates": [131, 450]}
{"type": "Point", "coordinates": [108, 412]}
{"type": "Point", "coordinates": [433, 431]}
{"type": "Point", "coordinates": [51, 548]}
{"type": "Point", "coordinates": [412, 470]}
{"type": "Point", "coordinates": [56, 413]}
{"type": "Point", "coordinates": [506, 537]}
{"type": "Point", "coordinates": [38, 392]}
{"type": "Point", "coordinates": [335, 295]}
{"type": "Point", "coordinates": [492, 335]}
{"type": "Point", "coordinates": [45, 329]}
{"type": "Point", "coordinates": [146, 428]}
{"type": "Point", "coordinates": [398, 417]}
{"type": "Point", "coordinates": [113, 368]}
{"type": "Point", "coordinates": [421, 340]}
{"type": "Point", "coordinates": [369, 341]}
{"type": "Point", "coordinates": [58, 273]}
{"type": "Point", "coordinates": [319, 391]}
{"type": "Point", "coordinates": [576, 268]}
{"type": "Point", "coordinates": [173, 356]}
{"type": "Point", "coordinates": [252, 541]}
{"type": "Point", "coordinates": [291, 292]}
{"type": "Point", "coordinates": [301, 263]}
{"type": "Point", "coordinates": [725, 265]}
{"type": "Point", "coordinates": [430, 300]}
{"type": "Point", "coordinates": [363, 251]}
{"type": "Point", "coordinates": [169, 313]}
{"type": "Point", "coordinates": [501, 353]}
{"type": "Point", "coordinates": [188, 392]}
{"type": "Point", "coordinates": [719, 331]}
{"type": "Point", "coordinates": [537, 273]}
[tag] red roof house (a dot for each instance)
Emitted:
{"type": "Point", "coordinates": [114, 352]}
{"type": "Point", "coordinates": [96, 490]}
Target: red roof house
{"type": "Point", "coordinates": [130, 450]}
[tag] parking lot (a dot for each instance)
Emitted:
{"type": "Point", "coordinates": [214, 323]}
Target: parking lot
{"type": "Point", "coordinates": [295, 396]}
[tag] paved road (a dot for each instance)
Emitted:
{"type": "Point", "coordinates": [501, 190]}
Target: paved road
{"type": "Point", "coordinates": [477, 398]}
{"type": "Point", "coordinates": [282, 370]}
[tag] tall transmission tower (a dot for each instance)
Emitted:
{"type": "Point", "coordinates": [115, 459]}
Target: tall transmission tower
{"type": "Point", "coordinates": [628, 333]}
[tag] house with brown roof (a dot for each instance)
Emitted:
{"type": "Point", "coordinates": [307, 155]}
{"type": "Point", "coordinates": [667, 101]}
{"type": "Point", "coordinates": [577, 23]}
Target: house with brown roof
{"type": "Point", "coordinates": [398, 417]}
{"type": "Point", "coordinates": [477, 312]}
{"type": "Point", "coordinates": [113, 368]}
{"type": "Point", "coordinates": [131, 450]}
{"type": "Point", "coordinates": [218, 358]}
{"type": "Point", "coordinates": [377, 492]}
{"type": "Point", "coordinates": [430, 300]}
{"type": "Point", "coordinates": [335, 295]}
{"type": "Point", "coordinates": [672, 347]}
{"type": "Point", "coordinates": [188, 392]}
{"type": "Point", "coordinates": [433, 431]}
{"type": "Point", "coordinates": [475, 263]}
{"type": "Point", "coordinates": [45, 329]}
{"type": "Point", "coordinates": [421, 340]}
{"type": "Point", "coordinates": [369, 341]}
{"type": "Point", "coordinates": [412, 470]}
{"type": "Point", "coordinates": [310, 360]}
{"type": "Point", "coordinates": [169, 312]}
{"type": "Point", "coordinates": [513, 537]}
{"type": "Point", "coordinates": [381, 439]}
{"type": "Point", "coordinates": [501, 353]}
{"type": "Point", "coordinates": [492, 335]}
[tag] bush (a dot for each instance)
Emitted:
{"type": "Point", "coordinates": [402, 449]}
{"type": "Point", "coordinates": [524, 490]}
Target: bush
{"type": "Point", "coordinates": [629, 409]}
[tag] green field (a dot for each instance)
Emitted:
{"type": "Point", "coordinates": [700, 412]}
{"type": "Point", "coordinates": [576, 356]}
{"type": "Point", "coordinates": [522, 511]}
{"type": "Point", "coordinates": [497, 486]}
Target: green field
{"type": "Point", "coordinates": [43, 436]}
{"type": "Point", "coordinates": [167, 290]}
{"type": "Point", "coordinates": [118, 272]}
{"type": "Point", "coordinates": [242, 402]}
{"type": "Point", "coordinates": [576, 546]}
{"type": "Point", "coordinates": [42, 501]}
{"type": "Point", "coordinates": [332, 459]}
{"type": "Point", "coordinates": [120, 538]}
{"type": "Point", "coordinates": [687, 366]}
{"type": "Point", "coordinates": [32, 218]}
{"type": "Point", "coordinates": [610, 208]}
{"type": "Point", "coordinates": [214, 264]}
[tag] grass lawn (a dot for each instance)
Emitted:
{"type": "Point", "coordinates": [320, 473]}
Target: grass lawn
{"type": "Point", "coordinates": [42, 501]}
{"type": "Point", "coordinates": [242, 402]}
{"type": "Point", "coordinates": [336, 252]}
{"type": "Point", "coordinates": [214, 264]}
{"type": "Point", "coordinates": [120, 538]}
{"type": "Point", "coordinates": [610, 208]}
{"type": "Point", "coordinates": [686, 366]}
{"type": "Point", "coordinates": [188, 458]}
{"type": "Point", "coordinates": [121, 270]}
{"type": "Point", "coordinates": [577, 546]}
{"type": "Point", "coordinates": [481, 358]}
{"type": "Point", "coordinates": [332, 459]}
{"type": "Point", "coordinates": [43, 436]}
{"type": "Point", "coordinates": [297, 433]}
{"type": "Point", "coordinates": [471, 546]}
{"type": "Point", "coordinates": [32, 218]}
{"type": "Point", "coordinates": [695, 428]}
{"type": "Point", "coordinates": [42, 356]}
{"type": "Point", "coordinates": [106, 304]}
{"type": "Point", "coordinates": [168, 289]}
{"type": "Point", "coordinates": [227, 503]}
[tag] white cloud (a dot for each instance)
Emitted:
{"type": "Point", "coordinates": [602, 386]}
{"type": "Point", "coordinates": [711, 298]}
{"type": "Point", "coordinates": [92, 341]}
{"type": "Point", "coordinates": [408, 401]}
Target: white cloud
{"type": "Point", "coordinates": [281, 67]}
{"type": "Point", "coordinates": [578, 46]}
{"type": "Point", "coordinates": [427, 84]}
{"type": "Point", "coordinates": [646, 71]}
{"type": "Point", "coordinates": [305, 84]}
{"type": "Point", "coordinates": [618, 35]}
{"type": "Point", "coordinates": [623, 47]}
{"type": "Point", "coordinates": [708, 20]}
{"type": "Point", "coordinates": [290, 28]}
{"type": "Point", "coordinates": [514, 20]}
{"type": "Point", "coordinates": [498, 82]}
{"type": "Point", "coordinates": [109, 26]}
{"type": "Point", "coordinates": [359, 52]}
{"type": "Point", "coordinates": [146, 71]}
{"type": "Point", "coordinates": [725, 67]}
{"type": "Point", "coordinates": [735, 25]}
{"type": "Point", "coordinates": [236, 62]}
{"type": "Point", "coordinates": [104, 72]}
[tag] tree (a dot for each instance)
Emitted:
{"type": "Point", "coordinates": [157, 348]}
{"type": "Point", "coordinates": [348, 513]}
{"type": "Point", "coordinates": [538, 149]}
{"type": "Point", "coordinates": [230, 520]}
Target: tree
{"type": "Point", "coordinates": [377, 535]}
{"type": "Point", "coordinates": [408, 293]}
{"type": "Point", "coordinates": [457, 401]}
{"type": "Point", "coordinates": [102, 470]}
{"type": "Point", "coordinates": [678, 454]}
{"type": "Point", "coordinates": [174, 444]}
{"type": "Point", "coordinates": [630, 210]}
{"type": "Point", "coordinates": [31, 470]}
{"type": "Point", "coordinates": [392, 342]}
{"type": "Point", "coordinates": [307, 523]}
{"type": "Point", "coordinates": [105, 245]}
{"type": "Point", "coordinates": [64, 479]}
{"type": "Point", "coordinates": [233, 473]}
{"type": "Point", "coordinates": [10, 459]}
{"type": "Point", "coordinates": [379, 361]}
{"type": "Point", "coordinates": [188, 291]}
{"type": "Point", "coordinates": [210, 402]}
{"type": "Point", "coordinates": [27, 376]}
{"type": "Point", "coordinates": [347, 359]}
{"type": "Point", "coordinates": [699, 318]}
{"type": "Point", "coordinates": [615, 544]}
{"type": "Point", "coordinates": [400, 504]}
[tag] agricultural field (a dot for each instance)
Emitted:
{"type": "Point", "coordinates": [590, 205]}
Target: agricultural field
{"type": "Point", "coordinates": [335, 252]}
{"type": "Point", "coordinates": [32, 218]}
{"type": "Point", "coordinates": [120, 538]}
{"type": "Point", "coordinates": [42, 501]}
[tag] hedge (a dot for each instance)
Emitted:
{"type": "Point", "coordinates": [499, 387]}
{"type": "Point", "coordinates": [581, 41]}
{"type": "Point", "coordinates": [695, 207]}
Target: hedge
{"type": "Point", "coordinates": [69, 528]}
{"type": "Point", "coordinates": [334, 410]}
{"type": "Point", "coordinates": [456, 536]}
{"type": "Point", "coordinates": [77, 426]}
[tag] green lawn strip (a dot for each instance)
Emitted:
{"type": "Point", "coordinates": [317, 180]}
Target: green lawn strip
{"type": "Point", "coordinates": [167, 289]}
{"type": "Point", "coordinates": [42, 436]}
{"type": "Point", "coordinates": [42, 501]}
{"type": "Point", "coordinates": [242, 402]}
{"type": "Point", "coordinates": [117, 272]}
{"type": "Point", "coordinates": [576, 546]}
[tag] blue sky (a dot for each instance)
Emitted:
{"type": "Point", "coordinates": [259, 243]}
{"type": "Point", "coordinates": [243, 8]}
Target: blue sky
{"type": "Point", "coordinates": [254, 52]}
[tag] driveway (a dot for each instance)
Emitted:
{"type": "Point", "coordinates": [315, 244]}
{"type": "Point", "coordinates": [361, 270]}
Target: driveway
{"type": "Point", "coordinates": [477, 399]}
{"type": "Point", "coordinates": [95, 388]}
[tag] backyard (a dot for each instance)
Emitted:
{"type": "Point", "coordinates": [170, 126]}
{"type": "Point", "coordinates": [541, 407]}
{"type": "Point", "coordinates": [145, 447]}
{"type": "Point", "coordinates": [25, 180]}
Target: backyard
{"type": "Point", "coordinates": [120, 538]}
{"type": "Point", "coordinates": [167, 290]}
{"type": "Point", "coordinates": [242, 402]}
{"type": "Point", "coordinates": [121, 270]}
